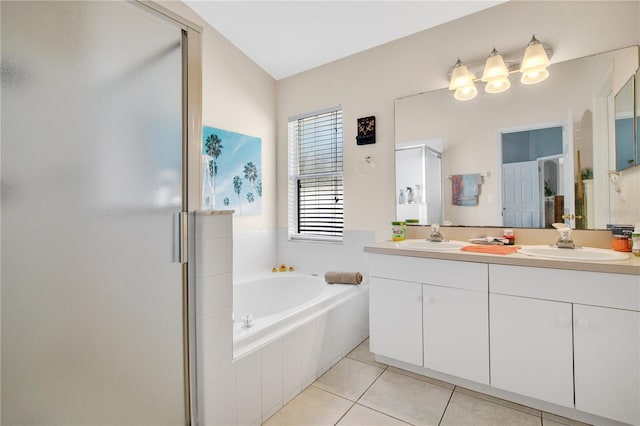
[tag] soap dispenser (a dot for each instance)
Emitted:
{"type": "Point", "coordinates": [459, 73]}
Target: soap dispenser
{"type": "Point", "coordinates": [401, 197]}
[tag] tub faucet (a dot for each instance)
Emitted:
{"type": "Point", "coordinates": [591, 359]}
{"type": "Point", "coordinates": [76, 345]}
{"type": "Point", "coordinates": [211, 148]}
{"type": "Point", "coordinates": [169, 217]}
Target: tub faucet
{"type": "Point", "coordinates": [435, 235]}
{"type": "Point", "coordinates": [565, 240]}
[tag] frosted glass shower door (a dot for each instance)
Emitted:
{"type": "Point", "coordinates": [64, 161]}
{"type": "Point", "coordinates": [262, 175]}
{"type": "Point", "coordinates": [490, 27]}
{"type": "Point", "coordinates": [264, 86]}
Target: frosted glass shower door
{"type": "Point", "coordinates": [91, 183]}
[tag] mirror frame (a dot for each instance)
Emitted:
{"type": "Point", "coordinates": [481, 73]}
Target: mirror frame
{"type": "Point", "coordinates": [624, 109]}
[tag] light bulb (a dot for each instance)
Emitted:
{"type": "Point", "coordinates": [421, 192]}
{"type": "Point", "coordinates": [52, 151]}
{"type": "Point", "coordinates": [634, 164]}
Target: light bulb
{"type": "Point", "coordinates": [466, 93]}
{"type": "Point", "coordinates": [534, 76]}
{"type": "Point", "coordinates": [497, 85]}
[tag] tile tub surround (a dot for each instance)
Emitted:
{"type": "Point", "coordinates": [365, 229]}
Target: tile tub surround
{"type": "Point", "coordinates": [320, 257]}
{"type": "Point", "coordinates": [248, 390]}
{"type": "Point", "coordinates": [361, 391]}
{"type": "Point", "coordinates": [254, 252]}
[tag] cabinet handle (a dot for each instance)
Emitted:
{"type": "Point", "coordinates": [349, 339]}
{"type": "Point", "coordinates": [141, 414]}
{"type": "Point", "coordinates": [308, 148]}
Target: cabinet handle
{"type": "Point", "coordinates": [584, 323]}
{"type": "Point", "coordinates": [562, 320]}
{"type": "Point", "coordinates": [417, 297]}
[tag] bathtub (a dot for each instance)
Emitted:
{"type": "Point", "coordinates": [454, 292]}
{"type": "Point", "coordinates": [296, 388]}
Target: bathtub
{"type": "Point", "coordinates": [281, 302]}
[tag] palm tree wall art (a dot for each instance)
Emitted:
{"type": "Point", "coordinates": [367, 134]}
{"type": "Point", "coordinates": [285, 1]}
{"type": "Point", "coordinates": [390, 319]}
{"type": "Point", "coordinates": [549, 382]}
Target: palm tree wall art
{"type": "Point", "coordinates": [237, 167]}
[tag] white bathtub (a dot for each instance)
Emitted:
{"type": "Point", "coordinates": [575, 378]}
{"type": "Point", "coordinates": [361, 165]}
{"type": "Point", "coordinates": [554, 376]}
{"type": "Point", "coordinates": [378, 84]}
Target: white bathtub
{"type": "Point", "coordinates": [280, 302]}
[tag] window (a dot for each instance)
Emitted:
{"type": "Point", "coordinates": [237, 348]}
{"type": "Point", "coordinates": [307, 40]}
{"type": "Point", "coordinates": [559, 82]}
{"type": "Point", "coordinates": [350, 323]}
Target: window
{"type": "Point", "coordinates": [315, 176]}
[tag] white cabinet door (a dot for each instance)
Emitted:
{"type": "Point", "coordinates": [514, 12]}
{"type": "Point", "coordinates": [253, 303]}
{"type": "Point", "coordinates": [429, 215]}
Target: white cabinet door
{"type": "Point", "coordinates": [607, 362]}
{"type": "Point", "coordinates": [395, 319]}
{"type": "Point", "coordinates": [456, 332]}
{"type": "Point", "coordinates": [531, 348]}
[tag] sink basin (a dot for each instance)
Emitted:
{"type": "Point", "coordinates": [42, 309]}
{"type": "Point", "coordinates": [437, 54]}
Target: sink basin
{"type": "Point", "coordinates": [583, 253]}
{"type": "Point", "coordinates": [430, 245]}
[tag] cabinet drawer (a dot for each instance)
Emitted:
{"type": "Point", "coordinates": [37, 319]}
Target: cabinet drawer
{"type": "Point", "coordinates": [588, 288]}
{"type": "Point", "coordinates": [446, 273]}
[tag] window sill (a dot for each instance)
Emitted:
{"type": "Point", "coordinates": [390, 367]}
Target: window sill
{"type": "Point", "coordinates": [308, 239]}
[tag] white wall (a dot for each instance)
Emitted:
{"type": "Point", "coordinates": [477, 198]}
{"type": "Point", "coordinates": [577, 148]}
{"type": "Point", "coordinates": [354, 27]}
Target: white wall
{"type": "Point", "coordinates": [367, 83]}
{"type": "Point", "coordinates": [239, 96]}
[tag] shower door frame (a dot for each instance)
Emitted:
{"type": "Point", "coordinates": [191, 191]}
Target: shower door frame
{"type": "Point", "coordinates": [191, 154]}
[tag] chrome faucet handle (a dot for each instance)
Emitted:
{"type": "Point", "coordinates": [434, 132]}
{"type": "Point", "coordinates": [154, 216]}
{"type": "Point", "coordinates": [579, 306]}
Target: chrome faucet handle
{"type": "Point", "coordinates": [435, 235]}
{"type": "Point", "coordinates": [247, 321]}
{"type": "Point", "coordinates": [565, 240]}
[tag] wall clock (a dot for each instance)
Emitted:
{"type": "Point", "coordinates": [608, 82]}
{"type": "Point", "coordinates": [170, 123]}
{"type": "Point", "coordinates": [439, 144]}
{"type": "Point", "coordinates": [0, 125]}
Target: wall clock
{"type": "Point", "coordinates": [366, 130]}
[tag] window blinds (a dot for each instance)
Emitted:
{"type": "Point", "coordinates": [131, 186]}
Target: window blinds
{"type": "Point", "coordinates": [317, 141]}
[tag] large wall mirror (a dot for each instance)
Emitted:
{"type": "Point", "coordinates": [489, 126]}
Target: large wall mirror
{"type": "Point", "coordinates": [543, 151]}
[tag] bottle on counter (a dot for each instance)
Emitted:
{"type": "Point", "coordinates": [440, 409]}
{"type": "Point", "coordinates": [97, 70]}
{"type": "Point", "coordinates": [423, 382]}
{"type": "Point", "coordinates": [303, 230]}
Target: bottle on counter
{"type": "Point", "coordinates": [398, 231]}
{"type": "Point", "coordinates": [509, 238]}
{"type": "Point", "coordinates": [401, 197]}
{"type": "Point", "coordinates": [410, 198]}
{"type": "Point", "coordinates": [635, 237]}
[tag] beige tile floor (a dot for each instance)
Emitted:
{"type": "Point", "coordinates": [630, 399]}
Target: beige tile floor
{"type": "Point", "coordinates": [360, 391]}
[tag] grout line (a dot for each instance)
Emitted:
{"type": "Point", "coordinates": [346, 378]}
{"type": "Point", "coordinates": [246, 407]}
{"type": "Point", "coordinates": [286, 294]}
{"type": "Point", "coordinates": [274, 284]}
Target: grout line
{"type": "Point", "coordinates": [369, 387]}
{"type": "Point", "coordinates": [344, 414]}
{"type": "Point", "coordinates": [383, 413]}
{"type": "Point", "coordinates": [344, 397]}
{"type": "Point", "coordinates": [427, 379]}
{"type": "Point", "coordinates": [365, 363]}
{"type": "Point", "coordinates": [498, 401]}
{"type": "Point", "coordinates": [332, 393]}
{"type": "Point", "coordinates": [447, 406]}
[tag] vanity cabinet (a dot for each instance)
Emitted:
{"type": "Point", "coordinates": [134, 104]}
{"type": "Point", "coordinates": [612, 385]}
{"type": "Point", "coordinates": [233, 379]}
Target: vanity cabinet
{"type": "Point", "coordinates": [557, 335]}
{"type": "Point", "coordinates": [395, 319]}
{"type": "Point", "coordinates": [607, 358]}
{"type": "Point", "coordinates": [567, 337]}
{"type": "Point", "coordinates": [430, 313]}
{"type": "Point", "coordinates": [456, 332]}
{"type": "Point", "coordinates": [531, 348]}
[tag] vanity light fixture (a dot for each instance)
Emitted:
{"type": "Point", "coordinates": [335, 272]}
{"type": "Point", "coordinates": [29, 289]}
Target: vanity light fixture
{"type": "Point", "coordinates": [534, 63]}
{"type": "Point", "coordinates": [533, 66]}
{"type": "Point", "coordinates": [462, 82]}
{"type": "Point", "coordinates": [496, 74]}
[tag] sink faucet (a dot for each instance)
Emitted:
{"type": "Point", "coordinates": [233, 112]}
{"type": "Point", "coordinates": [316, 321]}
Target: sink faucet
{"type": "Point", "coordinates": [565, 240]}
{"type": "Point", "coordinates": [435, 235]}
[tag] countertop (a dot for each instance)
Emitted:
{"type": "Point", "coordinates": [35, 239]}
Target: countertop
{"type": "Point", "coordinates": [629, 267]}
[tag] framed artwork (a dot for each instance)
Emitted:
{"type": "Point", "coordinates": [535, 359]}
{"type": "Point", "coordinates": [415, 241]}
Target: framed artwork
{"type": "Point", "coordinates": [366, 130]}
{"type": "Point", "coordinates": [231, 171]}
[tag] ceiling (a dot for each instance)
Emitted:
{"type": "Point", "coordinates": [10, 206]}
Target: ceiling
{"type": "Point", "coordinates": [288, 37]}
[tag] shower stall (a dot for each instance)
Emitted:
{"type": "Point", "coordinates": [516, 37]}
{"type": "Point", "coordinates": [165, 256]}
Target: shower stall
{"type": "Point", "coordinates": [96, 97]}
